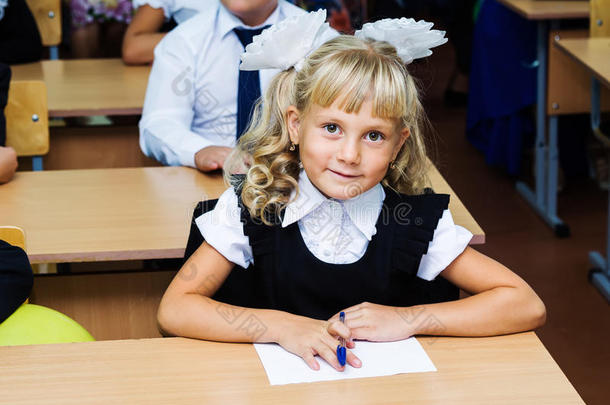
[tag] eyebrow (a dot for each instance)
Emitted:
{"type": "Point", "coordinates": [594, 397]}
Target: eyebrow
{"type": "Point", "coordinates": [384, 126]}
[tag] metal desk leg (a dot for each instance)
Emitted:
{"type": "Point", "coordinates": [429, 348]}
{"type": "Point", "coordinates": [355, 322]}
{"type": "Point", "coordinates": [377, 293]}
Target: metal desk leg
{"type": "Point", "coordinates": [600, 275]}
{"type": "Point", "coordinates": [544, 199]}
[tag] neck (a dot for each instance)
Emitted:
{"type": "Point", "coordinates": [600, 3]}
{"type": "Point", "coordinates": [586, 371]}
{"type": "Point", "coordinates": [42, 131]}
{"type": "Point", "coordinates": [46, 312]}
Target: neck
{"type": "Point", "coordinates": [257, 17]}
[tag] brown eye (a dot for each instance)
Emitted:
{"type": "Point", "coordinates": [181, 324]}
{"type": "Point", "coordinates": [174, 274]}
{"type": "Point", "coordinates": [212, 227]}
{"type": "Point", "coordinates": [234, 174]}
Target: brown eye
{"type": "Point", "coordinates": [331, 128]}
{"type": "Point", "coordinates": [374, 136]}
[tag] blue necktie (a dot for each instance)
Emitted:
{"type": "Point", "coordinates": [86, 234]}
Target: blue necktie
{"type": "Point", "coordinates": [249, 85]}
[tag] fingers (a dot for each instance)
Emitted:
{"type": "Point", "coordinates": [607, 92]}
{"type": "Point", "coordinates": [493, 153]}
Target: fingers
{"type": "Point", "coordinates": [339, 329]}
{"type": "Point", "coordinates": [211, 158]}
{"type": "Point", "coordinates": [208, 166]}
{"type": "Point", "coordinates": [348, 311]}
{"type": "Point", "coordinates": [353, 360]}
{"type": "Point", "coordinates": [310, 360]}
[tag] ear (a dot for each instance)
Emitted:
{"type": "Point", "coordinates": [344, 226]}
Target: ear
{"type": "Point", "coordinates": [292, 120]}
{"type": "Point", "coordinates": [404, 134]}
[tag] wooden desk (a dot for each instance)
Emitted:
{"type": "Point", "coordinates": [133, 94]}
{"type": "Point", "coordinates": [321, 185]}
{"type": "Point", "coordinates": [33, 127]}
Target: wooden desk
{"type": "Point", "coordinates": [460, 214]}
{"type": "Point", "coordinates": [548, 10]}
{"type": "Point", "coordinates": [513, 369]}
{"type": "Point", "coordinates": [543, 198]}
{"type": "Point", "coordinates": [105, 214]}
{"type": "Point", "coordinates": [594, 55]}
{"type": "Point", "coordinates": [125, 214]}
{"type": "Point", "coordinates": [86, 87]}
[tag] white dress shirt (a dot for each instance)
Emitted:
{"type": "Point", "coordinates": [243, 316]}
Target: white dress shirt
{"type": "Point", "coordinates": [181, 10]}
{"type": "Point", "coordinates": [335, 231]}
{"type": "Point", "coordinates": [191, 99]}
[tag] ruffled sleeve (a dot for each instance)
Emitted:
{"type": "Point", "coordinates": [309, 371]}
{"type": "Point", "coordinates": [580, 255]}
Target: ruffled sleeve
{"type": "Point", "coordinates": [166, 5]}
{"type": "Point", "coordinates": [448, 242]}
{"type": "Point", "coordinates": [222, 229]}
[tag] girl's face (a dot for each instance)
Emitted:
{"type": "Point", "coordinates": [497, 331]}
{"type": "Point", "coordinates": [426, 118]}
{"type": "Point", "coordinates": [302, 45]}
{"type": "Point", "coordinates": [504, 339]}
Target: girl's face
{"type": "Point", "coordinates": [345, 154]}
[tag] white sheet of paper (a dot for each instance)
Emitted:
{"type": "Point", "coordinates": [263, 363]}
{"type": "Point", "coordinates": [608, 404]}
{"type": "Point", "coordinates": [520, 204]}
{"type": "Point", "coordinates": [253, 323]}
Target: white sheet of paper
{"type": "Point", "coordinates": [378, 359]}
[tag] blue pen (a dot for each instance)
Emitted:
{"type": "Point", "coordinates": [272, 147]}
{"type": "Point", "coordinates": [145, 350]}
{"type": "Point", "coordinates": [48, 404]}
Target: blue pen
{"type": "Point", "coordinates": [341, 351]}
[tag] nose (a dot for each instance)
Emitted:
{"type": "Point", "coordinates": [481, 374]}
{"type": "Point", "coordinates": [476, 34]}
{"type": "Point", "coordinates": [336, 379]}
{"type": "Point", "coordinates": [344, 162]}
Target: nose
{"type": "Point", "coordinates": [349, 151]}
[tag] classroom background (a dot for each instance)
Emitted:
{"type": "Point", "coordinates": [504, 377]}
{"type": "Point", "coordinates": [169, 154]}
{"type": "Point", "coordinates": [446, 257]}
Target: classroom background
{"type": "Point", "coordinates": [532, 176]}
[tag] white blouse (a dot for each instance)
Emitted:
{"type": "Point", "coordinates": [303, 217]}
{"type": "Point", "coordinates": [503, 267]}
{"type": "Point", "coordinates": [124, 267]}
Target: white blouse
{"type": "Point", "coordinates": [191, 98]}
{"type": "Point", "coordinates": [335, 231]}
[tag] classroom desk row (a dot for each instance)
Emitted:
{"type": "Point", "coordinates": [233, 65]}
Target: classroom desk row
{"type": "Point", "coordinates": [594, 55]}
{"type": "Point", "coordinates": [514, 369]}
{"type": "Point", "coordinates": [126, 214]}
{"type": "Point", "coordinates": [86, 87]}
{"type": "Point", "coordinates": [543, 197]}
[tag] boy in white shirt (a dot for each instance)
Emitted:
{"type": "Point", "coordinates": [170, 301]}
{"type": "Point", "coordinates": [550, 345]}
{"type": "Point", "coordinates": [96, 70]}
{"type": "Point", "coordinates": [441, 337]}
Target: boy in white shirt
{"type": "Point", "coordinates": [190, 115]}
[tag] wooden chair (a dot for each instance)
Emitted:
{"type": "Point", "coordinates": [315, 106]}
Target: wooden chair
{"type": "Point", "coordinates": [13, 235]}
{"type": "Point", "coordinates": [47, 14]}
{"type": "Point", "coordinates": [35, 324]}
{"type": "Point", "coordinates": [27, 122]}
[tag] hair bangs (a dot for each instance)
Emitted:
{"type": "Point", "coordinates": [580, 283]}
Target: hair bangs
{"type": "Point", "coordinates": [353, 77]}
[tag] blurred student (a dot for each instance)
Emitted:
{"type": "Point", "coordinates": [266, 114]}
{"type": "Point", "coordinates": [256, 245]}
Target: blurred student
{"type": "Point", "coordinates": [98, 27]}
{"type": "Point", "coordinates": [8, 157]}
{"type": "Point", "coordinates": [146, 28]}
{"type": "Point", "coordinates": [198, 102]}
{"type": "Point", "coordinates": [16, 279]}
{"type": "Point", "coordinates": [19, 37]}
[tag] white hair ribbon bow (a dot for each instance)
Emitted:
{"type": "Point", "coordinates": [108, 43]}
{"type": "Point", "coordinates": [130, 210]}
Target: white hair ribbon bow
{"type": "Point", "coordinates": [287, 43]}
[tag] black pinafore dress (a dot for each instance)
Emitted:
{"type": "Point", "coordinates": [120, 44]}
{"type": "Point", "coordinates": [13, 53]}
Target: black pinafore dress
{"type": "Point", "coordinates": [286, 276]}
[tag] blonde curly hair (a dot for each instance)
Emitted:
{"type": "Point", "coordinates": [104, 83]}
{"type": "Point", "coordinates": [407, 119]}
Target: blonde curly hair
{"type": "Point", "coordinates": [345, 68]}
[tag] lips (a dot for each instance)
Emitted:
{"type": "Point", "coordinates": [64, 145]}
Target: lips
{"type": "Point", "coordinates": [343, 175]}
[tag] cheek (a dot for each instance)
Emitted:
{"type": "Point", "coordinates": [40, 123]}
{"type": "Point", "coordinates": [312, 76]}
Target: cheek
{"type": "Point", "coordinates": [378, 162]}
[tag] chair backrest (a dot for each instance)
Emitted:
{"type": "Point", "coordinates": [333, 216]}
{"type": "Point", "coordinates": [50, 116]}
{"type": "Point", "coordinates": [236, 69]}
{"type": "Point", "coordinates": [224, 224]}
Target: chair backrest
{"type": "Point", "coordinates": [27, 122]}
{"type": "Point", "coordinates": [47, 14]}
{"type": "Point", "coordinates": [13, 235]}
{"type": "Point", "coordinates": [600, 18]}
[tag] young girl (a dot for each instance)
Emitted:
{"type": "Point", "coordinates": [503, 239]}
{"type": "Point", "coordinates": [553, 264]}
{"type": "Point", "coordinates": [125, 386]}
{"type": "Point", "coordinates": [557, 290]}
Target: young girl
{"type": "Point", "coordinates": [332, 214]}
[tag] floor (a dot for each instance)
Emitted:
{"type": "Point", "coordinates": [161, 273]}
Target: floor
{"type": "Point", "coordinates": [577, 331]}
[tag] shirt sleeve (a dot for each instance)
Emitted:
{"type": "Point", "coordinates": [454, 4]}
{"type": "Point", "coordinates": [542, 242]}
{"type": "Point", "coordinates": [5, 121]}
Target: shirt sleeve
{"type": "Point", "coordinates": [167, 116]}
{"type": "Point", "coordinates": [448, 242]}
{"type": "Point", "coordinates": [223, 230]}
{"type": "Point", "coordinates": [164, 4]}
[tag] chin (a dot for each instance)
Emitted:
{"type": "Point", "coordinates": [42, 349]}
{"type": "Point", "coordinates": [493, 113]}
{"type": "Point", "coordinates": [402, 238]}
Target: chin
{"type": "Point", "coordinates": [343, 192]}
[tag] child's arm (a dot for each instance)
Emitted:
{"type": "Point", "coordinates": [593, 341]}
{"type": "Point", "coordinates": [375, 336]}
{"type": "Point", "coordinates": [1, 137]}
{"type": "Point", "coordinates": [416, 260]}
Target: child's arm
{"type": "Point", "coordinates": [501, 303]}
{"type": "Point", "coordinates": [143, 35]}
{"type": "Point", "coordinates": [186, 309]}
{"type": "Point", "coordinates": [8, 163]}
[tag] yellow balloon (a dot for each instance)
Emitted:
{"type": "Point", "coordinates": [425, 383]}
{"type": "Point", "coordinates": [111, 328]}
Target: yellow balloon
{"type": "Point", "coordinates": [34, 324]}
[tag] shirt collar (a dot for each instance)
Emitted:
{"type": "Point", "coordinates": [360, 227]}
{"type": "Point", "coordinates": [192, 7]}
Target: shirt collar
{"type": "Point", "coordinates": [363, 210]}
{"type": "Point", "coordinates": [227, 21]}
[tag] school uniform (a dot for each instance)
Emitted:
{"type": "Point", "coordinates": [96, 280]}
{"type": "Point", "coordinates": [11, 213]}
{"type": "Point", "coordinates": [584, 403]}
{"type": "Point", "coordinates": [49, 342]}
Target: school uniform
{"type": "Point", "coordinates": [16, 279]}
{"type": "Point", "coordinates": [191, 99]}
{"type": "Point", "coordinates": [19, 37]}
{"type": "Point", "coordinates": [323, 255]}
{"type": "Point", "coordinates": [179, 10]}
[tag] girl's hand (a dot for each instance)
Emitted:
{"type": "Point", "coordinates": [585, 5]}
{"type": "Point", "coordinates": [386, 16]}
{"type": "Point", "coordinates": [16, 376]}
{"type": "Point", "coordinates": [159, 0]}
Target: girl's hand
{"type": "Point", "coordinates": [377, 323]}
{"type": "Point", "coordinates": [308, 337]}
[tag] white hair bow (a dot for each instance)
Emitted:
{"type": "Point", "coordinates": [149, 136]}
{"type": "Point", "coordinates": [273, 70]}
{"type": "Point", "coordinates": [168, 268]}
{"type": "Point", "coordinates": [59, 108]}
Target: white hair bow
{"type": "Point", "coordinates": [287, 43]}
{"type": "Point", "coordinates": [412, 39]}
